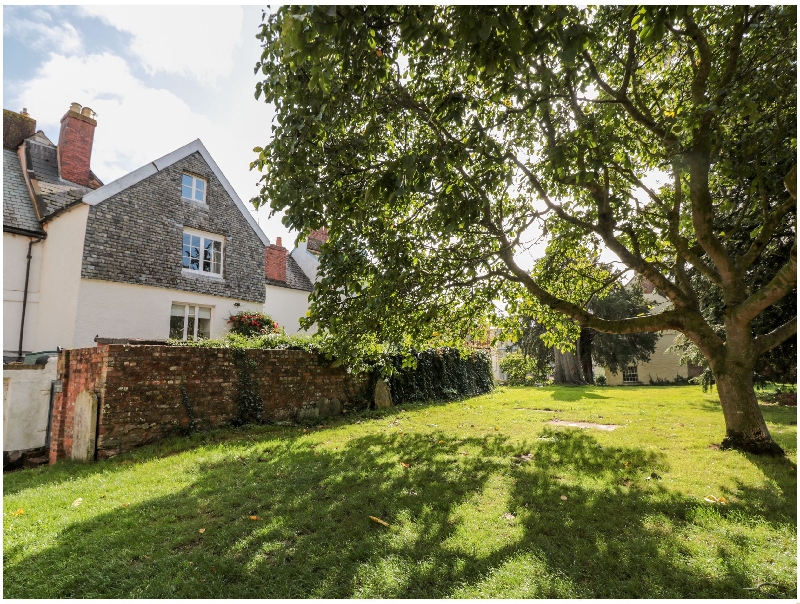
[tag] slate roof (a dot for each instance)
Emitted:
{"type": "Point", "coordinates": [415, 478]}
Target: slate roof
{"type": "Point", "coordinates": [295, 277]}
{"type": "Point", "coordinates": [57, 193]}
{"type": "Point", "coordinates": [18, 210]}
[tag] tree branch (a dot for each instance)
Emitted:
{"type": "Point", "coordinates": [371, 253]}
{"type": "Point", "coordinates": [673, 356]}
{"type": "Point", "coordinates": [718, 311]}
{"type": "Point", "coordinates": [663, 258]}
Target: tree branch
{"type": "Point", "coordinates": [768, 341]}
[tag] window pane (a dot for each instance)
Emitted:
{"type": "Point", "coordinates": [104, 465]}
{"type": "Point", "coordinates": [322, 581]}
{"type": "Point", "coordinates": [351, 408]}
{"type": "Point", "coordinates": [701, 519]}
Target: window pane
{"type": "Point", "coordinates": [204, 312]}
{"type": "Point", "coordinates": [217, 267]}
{"type": "Point", "coordinates": [190, 327]}
{"type": "Point", "coordinates": [187, 239]}
{"type": "Point", "coordinates": [186, 192]}
{"type": "Point", "coordinates": [200, 185]}
{"type": "Point", "coordinates": [196, 240]}
{"type": "Point", "coordinates": [198, 195]}
{"type": "Point", "coordinates": [203, 328]}
{"type": "Point", "coordinates": [176, 327]}
{"type": "Point", "coordinates": [186, 263]}
{"type": "Point", "coordinates": [178, 310]}
{"type": "Point", "coordinates": [187, 181]}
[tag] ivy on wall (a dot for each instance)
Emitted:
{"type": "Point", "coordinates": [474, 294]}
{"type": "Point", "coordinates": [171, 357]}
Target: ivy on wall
{"type": "Point", "coordinates": [441, 375]}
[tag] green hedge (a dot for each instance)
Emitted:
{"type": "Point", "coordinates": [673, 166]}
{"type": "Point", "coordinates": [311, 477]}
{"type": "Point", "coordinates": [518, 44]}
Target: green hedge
{"type": "Point", "coordinates": [441, 375]}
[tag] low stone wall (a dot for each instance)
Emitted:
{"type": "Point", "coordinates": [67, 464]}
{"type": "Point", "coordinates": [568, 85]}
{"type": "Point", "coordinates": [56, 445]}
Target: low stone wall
{"type": "Point", "coordinates": [145, 393]}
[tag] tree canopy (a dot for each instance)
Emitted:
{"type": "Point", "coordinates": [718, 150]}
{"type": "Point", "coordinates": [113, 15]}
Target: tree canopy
{"type": "Point", "coordinates": [436, 142]}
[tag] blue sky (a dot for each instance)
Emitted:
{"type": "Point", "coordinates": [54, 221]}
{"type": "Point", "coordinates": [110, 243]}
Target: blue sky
{"type": "Point", "coordinates": [157, 77]}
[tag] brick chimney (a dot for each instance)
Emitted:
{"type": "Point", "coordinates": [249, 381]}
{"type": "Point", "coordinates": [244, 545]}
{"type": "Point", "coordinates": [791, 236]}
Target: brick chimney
{"type": "Point", "coordinates": [16, 128]}
{"type": "Point", "coordinates": [317, 238]}
{"type": "Point", "coordinates": [275, 261]}
{"type": "Point", "coordinates": [75, 144]}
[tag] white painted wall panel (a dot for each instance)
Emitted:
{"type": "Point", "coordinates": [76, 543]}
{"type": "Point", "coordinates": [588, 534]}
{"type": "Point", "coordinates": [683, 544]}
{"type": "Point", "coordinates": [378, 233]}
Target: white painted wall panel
{"type": "Point", "coordinates": [287, 307]}
{"type": "Point", "coordinates": [15, 258]}
{"type": "Point", "coordinates": [26, 404]}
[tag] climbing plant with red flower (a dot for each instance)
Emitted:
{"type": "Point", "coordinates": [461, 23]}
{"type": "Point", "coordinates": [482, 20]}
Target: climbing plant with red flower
{"type": "Point", "coordinates": [249, 323]}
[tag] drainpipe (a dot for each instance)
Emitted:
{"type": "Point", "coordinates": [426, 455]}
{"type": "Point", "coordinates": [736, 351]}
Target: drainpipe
{"type": "Point", "coordinates": [25, 296]}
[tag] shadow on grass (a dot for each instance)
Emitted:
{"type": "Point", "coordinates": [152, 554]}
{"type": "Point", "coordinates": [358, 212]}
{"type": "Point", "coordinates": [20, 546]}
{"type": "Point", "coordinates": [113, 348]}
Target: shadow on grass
{"type": "Point", "coordinates": [314, 537]}
{"type": "Point", "coordinates": [573, 393]}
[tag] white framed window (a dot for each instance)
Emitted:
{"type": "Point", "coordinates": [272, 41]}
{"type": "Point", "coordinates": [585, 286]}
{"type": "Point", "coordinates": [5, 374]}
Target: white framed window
{"type": "Point", "coordinates": [202, 253]}
{"type": "Point", "coordinates": [630, 375]}
{"type": "Point", "coordinates": [194, 188]}
{"type": "Point", "coordinates": [190, 322]}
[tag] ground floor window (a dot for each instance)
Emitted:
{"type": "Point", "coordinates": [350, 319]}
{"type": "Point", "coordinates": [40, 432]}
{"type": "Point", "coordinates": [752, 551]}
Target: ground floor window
{"type": "Point", "coordinates": [630, 375]}
{"type": "Point", "coordinates": [189, 322]}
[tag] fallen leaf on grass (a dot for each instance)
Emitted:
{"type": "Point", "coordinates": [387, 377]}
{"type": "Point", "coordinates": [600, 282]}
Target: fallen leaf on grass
{"type": "Point", "coordinates": [405, 465]}
{"type": "Point", "coordinates": [712, 499]}
{"type": "Point", "coordinates": [77, 502]}
{"type": "Point", "coordinates": [463, 453]}
{"type": "Point", "coordinates": [509, 516]}
{"type": "Point", "coordinates": [523, 457]}
{"type": "Point", "coordinates": [202, 531]}
{"type": "Point", "coordinates": [379, 521]}
{"type": "Point", "coordinates": [125, 505]}
{"type": "Point", "coordinates": [563, 498]}
{"type": "Point", "coordinates": [19, 512]}
{"type": "Point", "coordinates": [496, 429]}
{"type": "Point", "coordinates": [254, 518]}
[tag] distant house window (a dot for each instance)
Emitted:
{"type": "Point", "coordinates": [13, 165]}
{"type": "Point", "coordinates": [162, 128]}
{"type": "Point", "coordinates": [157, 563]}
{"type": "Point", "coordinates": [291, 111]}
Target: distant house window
{"type": "Point", "coordinates": [193, 188]}
{"type": "Point", "coordinates": [189, 322]}
{"type": "Point", "coordinates": [630, 375]}
{"type": "Point", "coordinates": [202, 253]}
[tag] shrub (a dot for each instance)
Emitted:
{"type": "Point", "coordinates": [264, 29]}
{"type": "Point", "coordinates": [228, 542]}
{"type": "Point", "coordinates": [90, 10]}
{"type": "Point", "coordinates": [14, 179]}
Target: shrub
{"type": "Point", "coordinates": [600, 380]}
{"type": "Point", "coordinates": [521, 370]}
{"type": "Point", "coordinates": [249, 323]}
{"type": "Point", "coordinates": [443, 375]}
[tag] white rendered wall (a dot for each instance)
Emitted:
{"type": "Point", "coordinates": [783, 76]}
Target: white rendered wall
{"type": "Point", "coordinates": [307, 261]}
{"type": "Point", "coordinates": [663, 365]}
{"type": "Point", "coordinates": [26, 404]}
{"type": "Point", "coordinates": [15, 259]}
{"type": "Point", "coordinates": [123, 310]}
{"type": "Point", "coordinates": [287, 306]}
{"type": "Point", "coordinates": [62, 255]}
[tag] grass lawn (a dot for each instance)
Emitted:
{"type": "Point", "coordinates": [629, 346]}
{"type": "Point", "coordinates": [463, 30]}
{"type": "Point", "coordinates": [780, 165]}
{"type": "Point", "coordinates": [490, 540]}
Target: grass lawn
{"type": "Point", "coordinates": [483, 498]}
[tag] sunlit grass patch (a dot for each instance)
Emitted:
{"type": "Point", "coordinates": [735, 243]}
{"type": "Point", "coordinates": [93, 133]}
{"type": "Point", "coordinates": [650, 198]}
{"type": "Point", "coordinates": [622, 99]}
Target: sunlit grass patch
{"type": "Point", "coordinates": [482, 497]}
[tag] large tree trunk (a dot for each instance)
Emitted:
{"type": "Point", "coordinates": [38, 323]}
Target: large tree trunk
{"type": "Point", "coordinates": [745, 428]}
{"type": "Point", "coordinates": [568, 368]}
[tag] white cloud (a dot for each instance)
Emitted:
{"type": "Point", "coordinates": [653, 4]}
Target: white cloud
{"type": "Point", "coordinates": [193, 41]}
{"type": "Point", "coordinates": [63, 38]}
{"type": "Point", "coordinates": [136, 124]}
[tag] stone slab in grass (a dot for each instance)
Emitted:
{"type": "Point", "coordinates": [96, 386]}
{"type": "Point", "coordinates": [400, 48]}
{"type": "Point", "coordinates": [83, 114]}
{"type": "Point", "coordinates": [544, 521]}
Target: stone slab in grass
{"type": "Point", "coordinates": [606, 427]}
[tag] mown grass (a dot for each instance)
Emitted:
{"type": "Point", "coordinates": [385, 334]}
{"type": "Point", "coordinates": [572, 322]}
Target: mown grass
{"type": "Point", "coordinates": [468, 515]}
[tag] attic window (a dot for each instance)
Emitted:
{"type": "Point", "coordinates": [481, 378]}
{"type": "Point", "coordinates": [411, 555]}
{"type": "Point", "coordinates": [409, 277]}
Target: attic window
{"type": "Point", "coordinates": [193, 188]}
{"type": "Point", "coordinates": [202, 253]}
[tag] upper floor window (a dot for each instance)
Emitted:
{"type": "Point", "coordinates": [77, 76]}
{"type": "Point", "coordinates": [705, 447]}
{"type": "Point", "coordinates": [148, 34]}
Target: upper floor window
{"type": "Point", "coordinates": [202, 252]}
{"type": "Point", "coordinates": [193, 188]}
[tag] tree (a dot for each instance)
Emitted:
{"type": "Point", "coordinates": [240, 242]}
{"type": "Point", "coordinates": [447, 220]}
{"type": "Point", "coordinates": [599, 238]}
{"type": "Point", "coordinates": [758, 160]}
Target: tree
{"type": "Point", "coordinates": [433, 141]}
{"type": "Point", "coordinates": [616, 352]}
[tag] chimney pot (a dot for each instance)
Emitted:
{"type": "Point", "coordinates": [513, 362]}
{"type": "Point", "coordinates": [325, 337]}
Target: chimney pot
{"type": "Point", "coordinates": [87, 112]}
{"type": "Point", "coordinates": [278, 242]}
{"type": "Point", "coordinates": [76, 107]}
{"type": "Point", "coordinates": [24, 111]}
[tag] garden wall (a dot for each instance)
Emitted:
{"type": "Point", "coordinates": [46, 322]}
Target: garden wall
{"type": "Point", "coordinates": [145, 393]}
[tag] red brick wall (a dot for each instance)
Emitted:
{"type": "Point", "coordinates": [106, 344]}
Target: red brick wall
{"type": "Point", "coordinates": [140, 399]}
{"type": "Point", "coordinates": [275, 262]}
{"type": "Point", "coordinates": [79, 369]}
{"type": "Point", "coordinates": [75, 147]}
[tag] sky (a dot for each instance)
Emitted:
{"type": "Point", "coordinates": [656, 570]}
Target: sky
{"type": "Point", "coordinates": [157, 78]}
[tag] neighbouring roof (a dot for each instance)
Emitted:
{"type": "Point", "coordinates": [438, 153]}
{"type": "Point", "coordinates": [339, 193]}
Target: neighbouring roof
{"type": "Point", "coordinates": [316, 239]}
{"type": "Point", "coordinates": [295, 277]}
{"type": "Point", "coordinates": [18, 212]}
{"type": "Point", "coordinates": [122, 183]}
{"type": "Point", "coordinates": [57, 193]}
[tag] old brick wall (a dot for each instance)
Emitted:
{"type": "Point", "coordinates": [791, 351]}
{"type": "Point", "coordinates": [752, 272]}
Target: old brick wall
{"type": "Point", "coordinates": [79, 369]}
{"type": "Point", "coordinates": [136, 236]}
{"type": "Point", "coordinates": [141, 399]}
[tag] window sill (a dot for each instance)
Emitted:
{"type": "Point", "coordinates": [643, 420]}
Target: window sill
{"type": "Point", "coordinates": [198, 204]}
{"type": "Point", "coordinates": [201, 275]}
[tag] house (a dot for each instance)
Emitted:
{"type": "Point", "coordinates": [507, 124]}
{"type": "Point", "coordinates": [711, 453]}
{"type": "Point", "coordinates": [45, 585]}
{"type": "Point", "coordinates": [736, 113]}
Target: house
{"type": "Point", "coordinates": [306, 254]}
{"type": "Point", "coordinates": [662, 366]}
{"type": "Point", "coordinates": [168, 250]}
